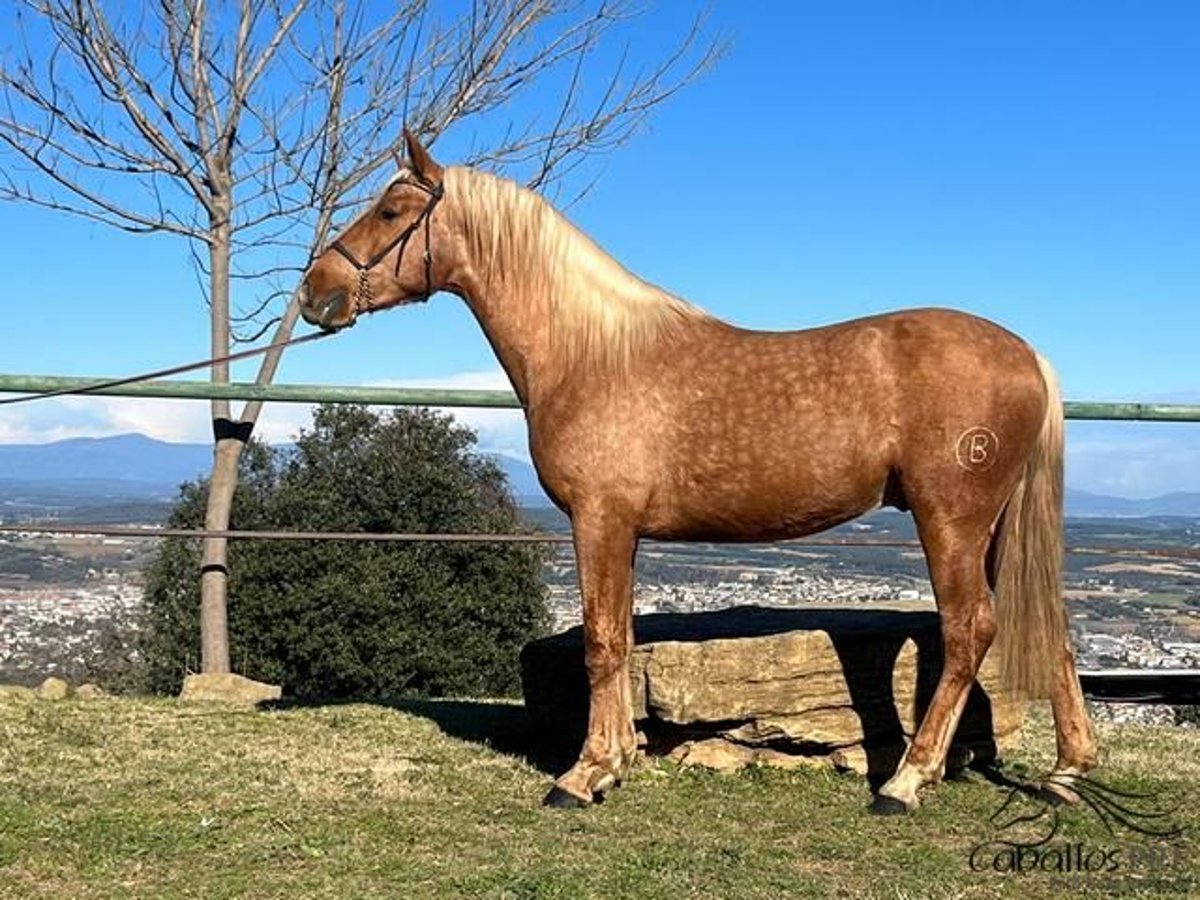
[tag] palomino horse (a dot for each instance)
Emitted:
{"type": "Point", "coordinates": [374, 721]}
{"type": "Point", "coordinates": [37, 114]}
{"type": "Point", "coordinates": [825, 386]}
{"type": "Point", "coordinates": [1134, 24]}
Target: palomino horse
{"type": "Point", "coordinates": [649, 418]}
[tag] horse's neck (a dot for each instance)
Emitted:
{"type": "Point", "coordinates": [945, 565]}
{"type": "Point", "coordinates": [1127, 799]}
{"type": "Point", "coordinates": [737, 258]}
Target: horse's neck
{"type": "Point", "coordinates": [578, 315]}
{"type": "Point", "coordinates": [517, 333]}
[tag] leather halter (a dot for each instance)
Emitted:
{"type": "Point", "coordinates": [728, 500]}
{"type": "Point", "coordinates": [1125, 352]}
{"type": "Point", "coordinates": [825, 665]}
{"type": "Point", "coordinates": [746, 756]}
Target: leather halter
{"type": "Point", "coordinates": [363, 294]}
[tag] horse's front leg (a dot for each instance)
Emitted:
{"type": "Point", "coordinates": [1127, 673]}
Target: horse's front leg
{"type": "Point", "coordinates": [604, 551]}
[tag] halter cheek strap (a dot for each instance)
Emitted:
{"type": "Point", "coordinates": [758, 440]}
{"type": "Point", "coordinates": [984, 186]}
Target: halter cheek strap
{"type": "Point", "coordinates": [364, 295]}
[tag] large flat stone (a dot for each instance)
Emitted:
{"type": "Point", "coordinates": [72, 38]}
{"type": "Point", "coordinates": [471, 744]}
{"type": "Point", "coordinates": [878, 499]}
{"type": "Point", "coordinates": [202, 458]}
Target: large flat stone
{"type": "Point", "coordinates": [799, 679]}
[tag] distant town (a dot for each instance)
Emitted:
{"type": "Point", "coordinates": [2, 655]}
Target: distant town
{"type": "Point", "coordinates": [1114, 622]}
{"type": "Point", "coordinates": [1132, 587]}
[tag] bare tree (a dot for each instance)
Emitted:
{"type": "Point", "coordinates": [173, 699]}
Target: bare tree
{"type": "Point", "coordinates": [249, 129]}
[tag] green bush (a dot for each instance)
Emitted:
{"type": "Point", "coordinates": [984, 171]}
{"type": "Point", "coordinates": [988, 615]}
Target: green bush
{"type": "Point", "coordinates": [336, 619]}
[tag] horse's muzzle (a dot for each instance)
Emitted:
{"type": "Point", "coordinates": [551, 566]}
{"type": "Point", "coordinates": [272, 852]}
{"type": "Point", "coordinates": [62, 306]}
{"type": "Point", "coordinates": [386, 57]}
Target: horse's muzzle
{"type": "Point", "coordinates": [330, 312]}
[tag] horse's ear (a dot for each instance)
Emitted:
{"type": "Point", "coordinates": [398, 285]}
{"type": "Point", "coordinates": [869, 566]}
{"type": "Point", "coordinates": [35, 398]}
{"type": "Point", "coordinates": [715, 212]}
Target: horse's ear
{"type": "Point", "coordinates": [422, 163]}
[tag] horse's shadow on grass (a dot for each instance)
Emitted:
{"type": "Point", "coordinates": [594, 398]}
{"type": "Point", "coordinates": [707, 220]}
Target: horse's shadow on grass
{"type": "Point", "coordinates": [500, 726]}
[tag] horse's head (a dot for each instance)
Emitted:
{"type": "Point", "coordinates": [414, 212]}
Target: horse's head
{"type": "Point", "coordinates": [388, 255]}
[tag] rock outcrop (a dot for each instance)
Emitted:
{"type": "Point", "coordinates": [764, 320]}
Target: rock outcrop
{"type": "Point", "coordinates": [757, 685]}
{"type": "Point", "coordinates": [228, 688]}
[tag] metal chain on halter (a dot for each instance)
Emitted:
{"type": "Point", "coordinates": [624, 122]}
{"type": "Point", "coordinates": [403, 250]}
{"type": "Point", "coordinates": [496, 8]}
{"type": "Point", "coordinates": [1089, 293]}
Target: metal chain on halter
{"type": "Point", "coordinates": [364, 296]}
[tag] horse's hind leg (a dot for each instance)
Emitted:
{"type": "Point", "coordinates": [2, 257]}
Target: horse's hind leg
{"type": "Point", "coordinates": [1072, 727]}
{"type": "Point", "coordinates": [604, 551]}
{"type": "Point", "coordinates": [956, 568]}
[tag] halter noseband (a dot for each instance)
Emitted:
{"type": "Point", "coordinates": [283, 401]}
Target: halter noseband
{"type": "Point", "coordinates": [363, 294]}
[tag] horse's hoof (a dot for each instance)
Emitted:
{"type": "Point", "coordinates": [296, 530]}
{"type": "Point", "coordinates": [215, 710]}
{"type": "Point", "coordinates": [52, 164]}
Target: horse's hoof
{"type": "Point", "coordinates": [560, 799]}
{"type": "Point", "coordinates": [884, 805]}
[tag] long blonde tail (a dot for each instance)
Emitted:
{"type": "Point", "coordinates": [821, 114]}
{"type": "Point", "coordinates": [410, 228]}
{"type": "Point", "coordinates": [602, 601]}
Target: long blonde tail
{"type": "Point", "coordinates": [1030, 618]}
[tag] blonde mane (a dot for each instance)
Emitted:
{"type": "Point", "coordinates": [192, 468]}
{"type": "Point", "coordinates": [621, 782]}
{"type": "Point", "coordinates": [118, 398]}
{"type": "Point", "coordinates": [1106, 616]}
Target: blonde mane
{"type": "Point", "coordinates": [597, 311]}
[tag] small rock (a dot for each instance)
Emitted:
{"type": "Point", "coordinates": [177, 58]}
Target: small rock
{"type": "Point", "coordinates": [15, 691]}
{"type": "Point", "coordinates": [850, 759]}
{"type": "Point", "coordinates": [89, 691]}
{"type": "Point", "coordinates": [228, 688]}
{"type": "Point", "coordinates": [878, 763]}
{"type": "Point", "coordinates": [725, 756]}
{"type": "Point", "coordinates": [779, 760]}
{"type": "Point", "coordinates": [53, 689]}
{"type": "Point", "coordinates": [714, 753]}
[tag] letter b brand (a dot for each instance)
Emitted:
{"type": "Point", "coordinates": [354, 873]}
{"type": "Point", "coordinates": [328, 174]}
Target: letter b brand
{"type": "Point", "coordinates": [977, 449]}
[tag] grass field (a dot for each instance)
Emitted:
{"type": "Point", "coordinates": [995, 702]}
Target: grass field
{"type": "Point", "coordinates": [148, 798]}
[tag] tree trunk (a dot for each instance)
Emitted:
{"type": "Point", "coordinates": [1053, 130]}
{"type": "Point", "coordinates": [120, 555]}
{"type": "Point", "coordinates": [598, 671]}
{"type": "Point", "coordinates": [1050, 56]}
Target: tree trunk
{"type": "Point", "coordinates": [214, 571]}
{"type": "Point", "coordinates": [231, 439]}
{"type": "Point", "coordinates": [214, 568]}
{"type": "Point", "coordinates": [214, 575]}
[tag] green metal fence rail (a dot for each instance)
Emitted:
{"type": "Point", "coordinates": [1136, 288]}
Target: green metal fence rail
{"type": "Point", "coordinates": [401, 396]}
{"type": "Point", "coordinates": [1131, 412]}
{"type": "Point", "coordinates": [275, 393]}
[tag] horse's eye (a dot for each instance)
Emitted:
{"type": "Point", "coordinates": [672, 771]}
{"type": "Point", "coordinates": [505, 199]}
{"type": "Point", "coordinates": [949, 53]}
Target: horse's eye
{"type": "Point", "coordinates": [388, 214]}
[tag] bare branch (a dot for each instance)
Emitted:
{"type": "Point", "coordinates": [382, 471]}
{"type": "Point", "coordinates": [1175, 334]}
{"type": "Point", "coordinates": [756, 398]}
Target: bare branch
{"type": "Point", "coordinates": [253, 127]}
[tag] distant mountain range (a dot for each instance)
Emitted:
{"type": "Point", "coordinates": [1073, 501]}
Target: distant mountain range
{"type": "Point", "coordinates": [125, 458]}
{"type": "Point", "coordinates": [135, 468]}
{"type": "Point", "coordinates": [1082, 504]}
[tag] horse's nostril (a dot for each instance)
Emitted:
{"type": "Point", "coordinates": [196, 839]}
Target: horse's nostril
{"type": "Point", "coordinates": [304, 301]}
{"type": "Point", "coordinates": [319, 309]}
{"type": "Point", "coordinates": [325, 312]}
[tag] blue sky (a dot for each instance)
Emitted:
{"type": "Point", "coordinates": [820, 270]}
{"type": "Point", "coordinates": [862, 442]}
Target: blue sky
{"type": "Point", "coordinates": [1035, 163]}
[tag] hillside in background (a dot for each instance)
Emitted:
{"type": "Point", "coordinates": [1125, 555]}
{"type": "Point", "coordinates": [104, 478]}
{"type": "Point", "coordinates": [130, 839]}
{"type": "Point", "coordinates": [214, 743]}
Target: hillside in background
{"type": "Point", "coordinates": [129, 458]}
{"type": "Point", "coordinates": [1082, 503]}
{"type": "Point", "coordinates": [131, 477]}
{"type": "Point", "coordinates": [117, 475]}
